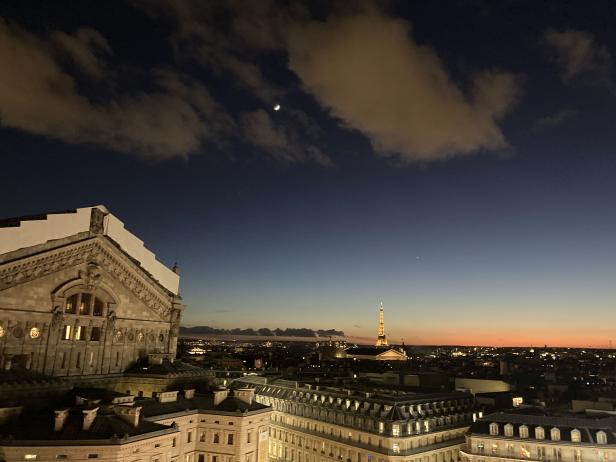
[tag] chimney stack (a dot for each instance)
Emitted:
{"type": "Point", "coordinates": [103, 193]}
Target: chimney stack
{"type": "Point", "coordinates": [220, 395]}
{"type": "Point", "coordinates": [88, 417]}
{"type": "Point", "coordinates": [128, 414]}
{"type": "Point", "coordinates": [245, 394]}
{"type": "Point", "coordinates": [61, 416]}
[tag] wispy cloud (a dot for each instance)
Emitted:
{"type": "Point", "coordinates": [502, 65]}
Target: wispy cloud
{"type": "Point", "coordinates": [553, 120]}
{"type": "Point", "coordinates": [580, 57]}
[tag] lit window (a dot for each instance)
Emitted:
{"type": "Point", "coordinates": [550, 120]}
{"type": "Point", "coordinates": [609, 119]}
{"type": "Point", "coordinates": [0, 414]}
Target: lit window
{"type": "Point", "coordinates": [395, 430]}
{"type": "Point", "coordinates": [396, 448]}
{"type": "Point", "coordinates": [601, 437]}
{"type": "Point", "coordinates": [80, 333]}
{"type": "Point", "coordinates": [66, 332]}
{"type": "Point", "coordinates": [84, 303]}
{"type": "Point", "coordinates": [576, 436]}
{"type": "Point", "coordinates": [71, 304]}
{"type": "Point", "coordinates": [98, 307]}
{"type": "Point", "coordinates": [381, 427]}
{"type": "Point", "coordinates": [555, 434]}
{"type": "Point", "coordinates": [523, 431]}
{"type": "Point", "coordinates": [493, 428]}
{"type": "Point", "coordinates": [30, 456]}
{"type": "Point", "coordinates": [508, 430]}
{"type": "Point", "coordinates": [539, 433]}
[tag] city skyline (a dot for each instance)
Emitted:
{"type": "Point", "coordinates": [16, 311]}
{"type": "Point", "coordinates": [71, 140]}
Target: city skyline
{"type": "Point", "coordinates": [303, 162]}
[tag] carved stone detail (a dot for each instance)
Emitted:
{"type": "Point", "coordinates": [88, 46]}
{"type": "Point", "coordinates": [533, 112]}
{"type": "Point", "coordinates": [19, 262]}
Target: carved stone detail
{"type": "Point", "coordinates": [99, 258]}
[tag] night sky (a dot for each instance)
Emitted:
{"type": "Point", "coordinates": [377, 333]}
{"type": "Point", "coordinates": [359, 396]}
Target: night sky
{"type": "Point", "coordinates": [452, 159]}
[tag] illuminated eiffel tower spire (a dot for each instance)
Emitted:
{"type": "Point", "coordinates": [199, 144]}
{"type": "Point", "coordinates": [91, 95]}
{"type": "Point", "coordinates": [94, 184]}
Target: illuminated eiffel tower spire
{"type": "Point", "coordinates": [381, 339]}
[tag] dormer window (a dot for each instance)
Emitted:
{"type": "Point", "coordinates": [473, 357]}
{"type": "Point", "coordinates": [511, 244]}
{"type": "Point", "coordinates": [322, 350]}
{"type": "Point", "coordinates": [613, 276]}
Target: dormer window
{"type": "Point", "coordinates": [601, 437]}
{"type": "Point", "coordinates": [555, 434]}
{"type": "Point", "coordinates": [576, 436]}
{"type": "Point", "coordinates": [523, 431]}
{"type": "Point", "coordinates": [539, 433]}
{"type": "Point", "coordinates": [508, 430]}
{"type": "Point", "coordinates": [493, 428]}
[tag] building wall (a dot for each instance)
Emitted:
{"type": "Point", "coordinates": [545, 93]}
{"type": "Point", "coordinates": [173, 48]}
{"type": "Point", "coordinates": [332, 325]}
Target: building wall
{"type": "Point", "coordinates": [299, 439]}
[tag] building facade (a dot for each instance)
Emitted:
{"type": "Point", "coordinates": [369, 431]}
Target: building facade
{"type": "Point", "coordinates": [82, 296]}
{"type": "Point", "coordinates": [523, 436]}
{"type": "Point", "coordinates": [313, 423]}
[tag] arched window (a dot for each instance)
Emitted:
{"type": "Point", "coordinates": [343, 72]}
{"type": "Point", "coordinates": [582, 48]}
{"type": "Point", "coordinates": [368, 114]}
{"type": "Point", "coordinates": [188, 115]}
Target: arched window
{"type": "Point", "coordinates": [601, 437]}
{"type": "Point", "coordinates": [493, 428]}
{"type": "Point", "coordinates": [555, 434]}
{"type": "Point", "coordinates": [523, 431]}
{"type": "Point", "coordinates": [576, 436]}
{"type": "Point", "coordinates": [85, 304]}
{"type": "Point", "coordinates": [508, 430]}
{"type": "Point", "coordinates": [539, 433]}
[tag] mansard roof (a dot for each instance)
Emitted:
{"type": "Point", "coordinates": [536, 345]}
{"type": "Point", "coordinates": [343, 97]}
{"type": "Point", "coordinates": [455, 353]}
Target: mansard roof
{"type": "Point", "coordinates": [46, 231]}
{"type": "Point", "coordinates": [588, 425]}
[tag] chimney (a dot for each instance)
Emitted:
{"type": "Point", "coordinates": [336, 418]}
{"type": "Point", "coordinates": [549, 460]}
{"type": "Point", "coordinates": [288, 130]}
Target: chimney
{"type": "Point", "coordinates": [167, 396]}
{"type": "Point", "coordinates": [220, 395]}
{"type": "Point", "coordinates": [61, 416]}
{"type": "Point", "coordinates": [189, 394]}
{"type": "Point", "coordinates": [88, 417]}
{"type": "Point", "coordinates": [245, 394]}
{"type": "Point", "coordinates": [128, 414]}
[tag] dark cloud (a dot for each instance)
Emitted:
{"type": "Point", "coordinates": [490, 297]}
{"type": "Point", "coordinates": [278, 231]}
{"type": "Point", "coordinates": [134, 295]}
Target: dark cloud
{"type": "Point", "coordinates": [366, 69]}
{"type": "Point", "coordinates": [581, 57]}
{"type": "Point", "coordinates": [38, 96]}
{"type": "Point", "coordinates": [280, 144]}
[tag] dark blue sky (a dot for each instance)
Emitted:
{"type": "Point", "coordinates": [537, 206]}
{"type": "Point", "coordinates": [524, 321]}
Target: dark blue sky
{"type": "Point", "coordinates": [454, 160]}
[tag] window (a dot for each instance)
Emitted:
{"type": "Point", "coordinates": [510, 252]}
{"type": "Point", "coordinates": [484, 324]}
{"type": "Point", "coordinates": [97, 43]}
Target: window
{"type": "Point", "coordinates": [480, 447]}
{"type": "Point", "coordinates": [97, 310]}
{"type": "Point", "coordinates": [78, 360]}
{"type": "Point", "coordinates": [173, 443]}
{"type": "Point", "coordinates": [601, 437]}
{"type": "Point", "coordinates": [493, 428]}
{"type": "Point", "coordinates": [249, 437]}
{"type": "Point", "coordinates": [201, 458]}
{"type": "Point", "coordinates": [202, 437]}
{"type": "Point", "coordinates": [539, 433]}
{"type": "Point", "coordinates": [523, 431]}
{"type": "Point", "coordinates": [188, 437]}
{"type": "Point", "coordinates": [80, 333]}
{"type": "Point", "coordinates": [61, 456]}
{"type": "Point", "coordinates": [92, 456]}
{"type": "Point", "coordinates": [117, 358]}
{"type": "Point", "coordinates": [62, 360]}
{"type": "Point", "coordinates": [395, 430]}
{"type": "Point", "coordinates": [494, 449]}
{"type": "Point", "coordinates": [555, 434]}
{"type": "Point", "coordinates": [66, 332]}
{"type": "Point", "coordinates": [84, 303]}
{"type": "Point", "coordinates": [508, 430]}
{"type": "Point", "coordinates": [30, 456]}
{"type": "Point", "coordinates": [577, 455]}
{"type": "Point", "coordinates": [557, 454]}
{"type": "Point", "coordinates": [540, 452]}
{"type": "Point", "coordinates": [216, 438]}
{"type": "Point", "coordinates": [576, 436]}
{"type": "Point", "coordinates": [381, 427]}
{"type": "Point", "coordinates": [230, 438]}
{"type": "Point", "coordinates": [95, 334]}
{"type": "Point", "coordinates": [524, 452]}
{"type": "Point", "coordinates": [396, 448]}
{"type": "Point", "coordinates": [71, 304]}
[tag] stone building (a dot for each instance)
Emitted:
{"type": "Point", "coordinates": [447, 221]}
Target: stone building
{"type": "Point", "coordinates": [531, 434]}
{"type": "Point", "coordinates": [82, 296]}
{"type": "Point", "coordinates": [314, 423]}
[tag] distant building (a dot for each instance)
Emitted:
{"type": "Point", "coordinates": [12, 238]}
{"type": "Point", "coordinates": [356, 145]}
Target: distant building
{"type": "Point", "coordinates": [376, 354]}
{"type": "Point", "coordinates": [533, 435]}
{"type": "Point", "coordinates": [313, 423]}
